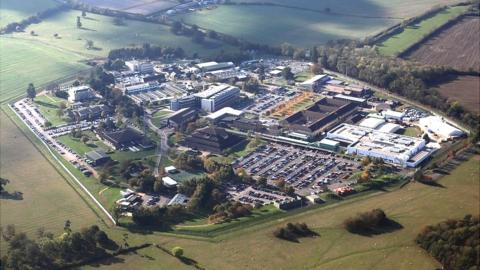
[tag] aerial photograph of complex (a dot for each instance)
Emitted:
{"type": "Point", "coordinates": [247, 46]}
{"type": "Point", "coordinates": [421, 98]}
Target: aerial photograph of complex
{"type": "Point", "coordinates": [240, 134]}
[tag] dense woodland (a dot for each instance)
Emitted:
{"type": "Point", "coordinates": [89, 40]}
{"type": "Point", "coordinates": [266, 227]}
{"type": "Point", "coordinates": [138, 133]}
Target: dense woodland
{"type": "Point", "coordinates": [48, 251]}
{"type": "Point", "coordinates": [454, 243]}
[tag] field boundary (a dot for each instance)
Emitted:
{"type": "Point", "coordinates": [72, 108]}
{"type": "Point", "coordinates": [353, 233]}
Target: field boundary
{"type": "Point", "coordinates": [97, 203]}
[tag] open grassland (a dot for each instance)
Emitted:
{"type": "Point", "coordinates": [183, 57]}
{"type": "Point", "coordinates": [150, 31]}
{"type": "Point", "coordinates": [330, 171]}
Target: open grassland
{"type": "Point", "coordinates": [465, 90]}
{"type": "Point", "coordinates": [261, 24]}
{"type": "Point", "coordinates": [49, 107]}
{"type": "Point", "coordinates": [48, 200]}
{"type": "Point", "coordinates": [106, 35]}
{"type": "Point", "coordinates": [401, 9]}
{"type": "Point", "coordinates": [26, 61]}
{"type": "Point", "coordinates": [414, 206]}
{"type": "Point", "coordinates": [15, 11]}
{"type": "Point", "coordinates": [458, 46]}
{"type": "Point", "coordinates": [412, 34]}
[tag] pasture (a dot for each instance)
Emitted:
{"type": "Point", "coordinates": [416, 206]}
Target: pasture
{"type": "Point", "coordinates": [24, 61]}
{"type": "Point", "coordinates": [15, 11]}
{"type": "Point", "coordinates": [260, 24]}
{"type": "Point", "coordinates": [465, 90]}
{"type": "Point", "coordinates": [457, 46]}
{"type": "Point", "coordinates": [48, 199]}
{"type": "Point", "coordinates": [413, 34]}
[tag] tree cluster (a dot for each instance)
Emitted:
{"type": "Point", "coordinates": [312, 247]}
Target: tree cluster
{"type": "Point", "coordinates": [146, 51]}
{"type": "Point", "coordinates": [367, 222]}
{"type": "Point", "coordinates": [161, 217]}
{"type": "Point", "coordinates": [49, 252]}
{"type": "Point", "coordinates": [454, 243]}
{"type": "Point", "coordinates": [188, 161]}
{"type": "Point", "coordinates": [293, 231]}
{"type": "Point", "coordinates": [227, 211]}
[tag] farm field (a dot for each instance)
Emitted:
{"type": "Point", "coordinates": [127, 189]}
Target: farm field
{"type": "Point", "coordinates": [48, 200]}
{"type": "Point", "coordinates": [106, 35]}
{"type": "Point", "coordinates": [297, 27]}
{"type": "Point", "coordinates": [368, 8]}
{"type": "Point", "coordinates": [144, 7]}
{"type": "Point", "coordinates": [412, 34]}
{"type": "Point", "coordinates": [15, 11]}
{"type": "Point", "coordinates": [465, 90]}
{"type": "Point", "coordinates": [25, 61]}
{"type": "Point", "coordinates": [458, 47]}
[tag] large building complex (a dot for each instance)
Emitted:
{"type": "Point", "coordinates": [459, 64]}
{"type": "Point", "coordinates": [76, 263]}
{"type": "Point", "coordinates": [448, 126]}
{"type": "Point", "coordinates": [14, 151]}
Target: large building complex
{"type": "Point", "coordinates": [322, 115]}
{"type": "Point", "coordinates": [393, 148]}
{"type": "Point", "coordinates": [137, 66]}
{"type": "Point", "coordinates": [210, 100]}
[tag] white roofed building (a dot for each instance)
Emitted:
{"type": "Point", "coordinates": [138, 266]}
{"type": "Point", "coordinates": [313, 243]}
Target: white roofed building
{"type": "Point", "coordinates": [371, 122]}
{"type": "Point", "coordinates": [437, 126]}
{"type": "Point", "coordinates": [169, 182]}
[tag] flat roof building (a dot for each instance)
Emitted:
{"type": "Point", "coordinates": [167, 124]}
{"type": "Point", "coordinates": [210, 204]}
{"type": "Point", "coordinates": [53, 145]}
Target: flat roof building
{"type": "Point", "coordinates": [217, 97]}
{"type": "Point", "coordinates": [314, 83]}
{"type": "Point", "coordinates": [97, 157]}
{"type": "Point", "coordinates": [125, 138]}
{"type": "Point", "coordinates": [224, 111]}
{"type": "Point", "coordinates": [138, 66]}
{"type": "Point", "coordinates": [212, 66]}
{"type": "Point", "coordinates": [181, 117]}
{"type": "Point", "coordinates": [211, 139]}
{"type": "Point", "coordinates": [392, 148]}
{"type": "Point", "coordinates": [169, 182]}
{"type": "Point", "coordinates": [436, 125]}
{"type": "Point", "coordinates": [80, 94]}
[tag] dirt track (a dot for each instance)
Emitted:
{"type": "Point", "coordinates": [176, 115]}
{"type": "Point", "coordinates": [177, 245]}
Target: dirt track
{"type": "Point", "coordinates": [458, 46]}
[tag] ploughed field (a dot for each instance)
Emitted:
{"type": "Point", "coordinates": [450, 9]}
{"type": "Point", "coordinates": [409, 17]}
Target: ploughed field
{"type": "Point", "coordinates": [458, 47]}
{"type": "Point", "coordinates": [465, 90]}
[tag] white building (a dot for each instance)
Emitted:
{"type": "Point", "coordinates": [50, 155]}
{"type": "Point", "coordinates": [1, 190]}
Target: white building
{"type": "Point", "coordinates": [137, 66]}
{"type": "Point", "coordinates": [371, 122]}
{"type": "Point", "coordinates": [315, 82]}
{"type": "Point", "coordinates": [169, 182]}
{"type": "Point", "coordinates": [389, 114]}
{"type": "Point", "coordinates": [437, 126]}
{"type": "Point", "coordinates": [178, 199]}
{"type": "Point", "coordinates": [141, 87]}
{"type": "Point", "coordinates": [393, 148]}
{"type": "Point", "coordinates": [217, 97]}
{"type": "Point", "coordinates": [224, 111]}
{"type": "Point", "coordinates": [80, 94]}
{"type": "Point", "coordinates": [212, 66]}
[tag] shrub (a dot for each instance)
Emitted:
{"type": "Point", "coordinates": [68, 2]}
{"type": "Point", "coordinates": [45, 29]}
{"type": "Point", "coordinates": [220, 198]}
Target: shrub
{"type": "Point", "coordinates": [177, 252]}
{"type": "Point", "coordinates": [366, 222]}
{"type": "Point", "coordinates": [292, 232]}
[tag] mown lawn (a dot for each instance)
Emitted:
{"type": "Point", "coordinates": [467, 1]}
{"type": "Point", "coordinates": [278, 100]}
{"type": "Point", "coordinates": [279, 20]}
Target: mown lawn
{"type": "Point", "coordinates": [49, 107]}
{"type": "Point", "coordinates": [412, 34]}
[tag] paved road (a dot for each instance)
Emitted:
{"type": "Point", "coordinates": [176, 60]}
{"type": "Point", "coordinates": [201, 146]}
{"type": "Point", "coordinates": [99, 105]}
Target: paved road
{"type": "Point", "coordinates": [162, 147]}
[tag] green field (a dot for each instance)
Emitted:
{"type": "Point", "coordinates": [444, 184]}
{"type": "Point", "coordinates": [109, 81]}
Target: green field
{"type": "Point", "coordinates": [26, 61]}
{"type": "Point", "coordinates": [412, 34]}
{"type": "Point", "coordinates": [48, 200]}
{"type": "Point", "coordinates": [297, 27]}
{"type": "Point", "coordinates": [44, 58]}
{"type": "Point", "coordinates": [15, 11]}
{"type": "Point", "coordinates": [49, 106]}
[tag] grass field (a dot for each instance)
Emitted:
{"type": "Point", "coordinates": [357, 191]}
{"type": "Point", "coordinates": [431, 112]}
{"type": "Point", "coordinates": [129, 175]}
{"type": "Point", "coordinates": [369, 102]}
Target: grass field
{"type": "Point", "coordinates": [412, 34]}
{"type": "Point", "coordinates": [298, 27]}
{"type": "Point", "coordinates": [49, 106]}
{"type": "Point", "coordinates": [412, 131]}
{"type": "Point", "coordinates": [15, 11]}
{"type": "Point", "coordinates": [48, 201]}
{"type": "Point", "coordinates": [25, 61]}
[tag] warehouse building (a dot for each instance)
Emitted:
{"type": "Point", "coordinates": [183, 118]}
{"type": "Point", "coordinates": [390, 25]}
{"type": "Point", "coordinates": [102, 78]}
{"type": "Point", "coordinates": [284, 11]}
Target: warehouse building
{"type": "Point", "coordinates": [393, 148]}
{"type": "Point", "coordinates": [314, 83]}
{"type": "Point", "coordinates": [213, 66]}
{"type": "Point", "coordinates": [211, 139]}
{"type": "Point", "coordinates": [437, 126]}
{"type": "Point", "coordinates": [319, 117]}
{"type": "Point", "coordinates": [97, 157]}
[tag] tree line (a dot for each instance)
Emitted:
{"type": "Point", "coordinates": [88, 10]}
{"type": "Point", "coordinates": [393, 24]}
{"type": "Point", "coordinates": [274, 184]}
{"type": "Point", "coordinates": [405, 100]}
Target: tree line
{"type": "Point", "coordinates": [454, 243]}
{"type": "Point", "coordinates": [48, 251]}
{"type": "Point", "coordinates": [37, 18]}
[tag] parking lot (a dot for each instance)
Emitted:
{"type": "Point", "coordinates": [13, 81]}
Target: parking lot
{"type": "Point", "coordinates": [250, 195]}
{"type": "Point", "coordinates": [308, 171]}
{"type": "Point", "coordinates": [266, 100]}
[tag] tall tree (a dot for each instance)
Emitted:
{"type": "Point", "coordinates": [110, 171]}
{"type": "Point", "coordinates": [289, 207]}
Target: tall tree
{"type": "Point", "coordinates": [31, 92]}
{"type": "Point", "coordinates": [79, 23]}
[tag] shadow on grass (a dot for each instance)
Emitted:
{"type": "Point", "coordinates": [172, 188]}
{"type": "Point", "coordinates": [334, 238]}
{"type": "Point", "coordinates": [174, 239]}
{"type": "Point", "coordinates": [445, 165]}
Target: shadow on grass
{"type": "Point", "coordinates": [388, 226]}
{"type": "Point", "coordinates": [432, 184]}
{"type": "Point", "coordinates": [45, 104]}
{"type": "Point", "coordinates": [16, 195]}
{"type": "Point", "coordinates": [106, 262]}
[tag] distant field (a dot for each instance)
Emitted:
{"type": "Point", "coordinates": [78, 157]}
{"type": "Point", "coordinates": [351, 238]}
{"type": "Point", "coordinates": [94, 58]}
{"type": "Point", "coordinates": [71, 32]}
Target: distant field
{"type": "Point", "coordinates": [15, 10]}
{"type": "Point", "coordinates": [373, 8]}
{"type": "Point", "coordinates": [43, 58]}
{"type": "Point", "coordinates": [25, 61]}
{"type": "Point", "coordinates": [48, 201]}
{"type": "Point", "coordinates": [465, 90]}
{"type": "Point", "coordinates": [412, 34]}
{"type": "Point", "coordinates": [261, 24]}
{"type": "Point", "coordinates": [458, 47]}
{"type": "Point", "coordinates": [134, 6]}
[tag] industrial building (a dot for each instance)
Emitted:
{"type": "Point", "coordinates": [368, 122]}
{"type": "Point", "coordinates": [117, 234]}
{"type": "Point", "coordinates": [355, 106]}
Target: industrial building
{"type": "Point", "coordinates": [97, 157]}
{"type": "Point", "coordinates": [180, 118]}
{"type": "Point", "coordinates": [213, 66]}
{"type": "Point", "coordinates": [319, 117]}
{"type": "Point", "coordinates": [437, 126]}
{"type": "Point", "coordinates": [80, 94]}
{"type": "Point", "coordinates": [141, 88]}
{"type": "Point", "coordinates": [393, 148]}
{"type": "Point", "coordinates": [217, 97]}
{"type": "Point", "coordinates": [314, 83]}
{"type": "Point", "coordinates": [137, 66]}
{"type": "Point", "coordinates": [211, 139]}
